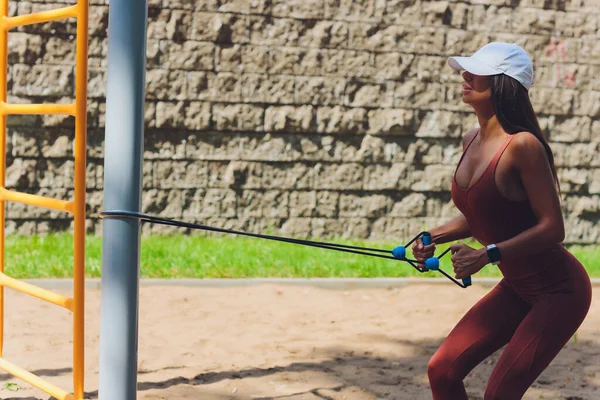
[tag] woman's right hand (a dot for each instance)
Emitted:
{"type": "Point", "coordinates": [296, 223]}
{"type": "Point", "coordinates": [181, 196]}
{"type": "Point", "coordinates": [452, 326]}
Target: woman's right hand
{"type": "Point", "coordinates": [421, 252]}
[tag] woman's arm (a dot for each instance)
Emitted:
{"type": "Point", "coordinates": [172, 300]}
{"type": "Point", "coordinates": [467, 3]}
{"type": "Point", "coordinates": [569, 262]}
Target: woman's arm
{"type": "Point", "coordinates": [456, 229]}
{"type": "Point", "coordinates": [533, 167]}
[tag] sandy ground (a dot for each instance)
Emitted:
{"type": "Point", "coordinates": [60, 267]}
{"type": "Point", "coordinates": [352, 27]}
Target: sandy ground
{"type": "Point", "coordinates": [283, 342]}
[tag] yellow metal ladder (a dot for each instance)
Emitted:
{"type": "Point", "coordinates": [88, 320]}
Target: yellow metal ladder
{"type": "Point", "coordinates": [75, 207]}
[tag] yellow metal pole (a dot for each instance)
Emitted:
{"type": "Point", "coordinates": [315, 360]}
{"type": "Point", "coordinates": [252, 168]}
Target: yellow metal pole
{"type": "Point", "coordinates": [35, 380]}
{"type": "Point", "coordinates": [81, 73]}
{"type": "Point", "coordinates": [36, 291]}
{"type": "Point", "coordinates": [3, 94]}
{"type": "Point", "coordinates": [34, 200]}
{"type": "Point", "coordinates": [69, 109]}
{"type": "Point", "coordinates": [40, 17]}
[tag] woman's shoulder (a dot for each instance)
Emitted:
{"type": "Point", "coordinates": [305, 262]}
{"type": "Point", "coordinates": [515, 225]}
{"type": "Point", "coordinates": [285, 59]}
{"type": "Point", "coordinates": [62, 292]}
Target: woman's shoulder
{"type": "Point", "coordinates": [525, 143]}
{"type": "Point", "coordinates": [526, 148]}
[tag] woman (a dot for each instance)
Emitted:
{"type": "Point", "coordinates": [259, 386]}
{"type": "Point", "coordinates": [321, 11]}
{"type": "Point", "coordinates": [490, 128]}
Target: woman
{"type": "Point", "coordinates": [505, 186]}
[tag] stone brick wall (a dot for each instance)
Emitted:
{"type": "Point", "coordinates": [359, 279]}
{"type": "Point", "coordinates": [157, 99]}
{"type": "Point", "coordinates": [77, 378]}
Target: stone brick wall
{"type": "Point", "coordinates": [314, 118]}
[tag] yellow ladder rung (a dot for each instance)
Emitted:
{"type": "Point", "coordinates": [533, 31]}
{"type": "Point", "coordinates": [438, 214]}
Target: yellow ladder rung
{"type": "Point", "coordinates": [39, 17]}
{"type": "Point", "coordinates": [35, 380]}
{"type": "Point", "coordinates": [7, 109]}
{"type": "Point", "coordinates": [35, 200]}
{"type": "Point", "coordinates": [36, 291]}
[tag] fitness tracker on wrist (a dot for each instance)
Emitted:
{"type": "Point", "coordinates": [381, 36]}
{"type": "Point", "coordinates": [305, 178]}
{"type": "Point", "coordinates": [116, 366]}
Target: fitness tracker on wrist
{"type": "Point", "coordinates": [493, 254]}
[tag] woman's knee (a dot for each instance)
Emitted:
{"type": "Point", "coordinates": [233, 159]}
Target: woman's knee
{"type": "Point", "coordinates": [440, 371]}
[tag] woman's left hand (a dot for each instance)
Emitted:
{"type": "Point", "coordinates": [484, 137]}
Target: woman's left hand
{"type": "Point", "coordinates": [466, 260]}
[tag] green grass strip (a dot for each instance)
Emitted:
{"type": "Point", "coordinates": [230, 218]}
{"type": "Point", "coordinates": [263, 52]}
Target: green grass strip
{"type": "Point", "coordinates": [196, 256]}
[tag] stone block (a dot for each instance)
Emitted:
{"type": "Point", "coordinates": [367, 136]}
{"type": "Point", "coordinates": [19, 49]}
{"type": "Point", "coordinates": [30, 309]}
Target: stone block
{"type": "Point", "coordinates": [339, 177]}
{"type": "Point", "coordinates": [415, 94]}
{"type": "Point", "coordinates": [392, 66]}
{"type": "Point", "coordinates": [349, 63]}
{"type": "Point", "coordinates": [434, 178]}
{"type": "Point", "coordinates": [301, 9]}
{"type": "Point", "coordinates": [319, 90]}
{"type": "Point", "coordinates": [464, 43]}
{"type": "Point", "coordinates": [53, 145]}
{"type": "Point", "coordinates": [436, 13]}
{"type": "Point", "coordinates": [245, 6]}
{"type": "Point", "coordinates": [405, 12]}
{"type": "Point", "coordinates": [197, 115]}
{"type": "Point", "coordinates": [55, 173]}
{"type": "Point", "coordinates": [324, 34]}
{"type": "Point", "coordinates": [219, 202]}
{"type": "Point", "coordinates": [353, 10]}
{"type": "Point", "coordinates": [270, 31]}
{"type": "Point", "coordinates": [302, 203]}
{"type": "Point", "coordinates": [410, 205]}
{"type": "Point", "coordinates": [24, 48]}
{"type": "Point", "coordinates": [576, 24]}
{"type": "Point", "coordinates": [164, 145]}
{"type": "Point", "coordinates": [215, 147]}
{"type": "Point", "coordinates": [174, 25]}
{"type": "Point", "coordinates": [189, 55]}
{"type": "Point", "coordinates": [226, 87]}
{"type": "Point", "coordinates": [272, 89]}
{"type": "Point", "coordinates": [20, 173]}
{"type": "Point", "coordinates": [170, 115]}
{"type": "Point", "coordinates": [255, 58]}
{"type": "Point", "coordinates": [290, 119]}
{"type": "Point", "coordinates": [574, 129]}
{"type": "Point", "coordinates": [268, 204]}
{"type": "Point", "coordinates": [371, 95]}
{"type": "Point", "coordinates": [397, 176]}
{"type": "Point", "coordinates": [284, 60]}
{"type": "Point", "coordinates": [502, 19]}
{"type": "Point", "coordinates": [380, 38]}
{"type": "Point", "coordinates": [164, 203]}
{"type": "Point", "coordinates": [297, 227]}
{"type": "Point", "coordinates": [553, 101]}
{"type": "Point", "coordinates": [42, 80]}
{"type": "Point", "coordinates": [238, 117]}
{"type": "Point", "coordinates": [588, 103]}
{"type": "Point", "coordinates": [343, 120]}
{"type": "Point", "coordinates": [220, 28]}
{"type": "Point", "coordinates": [204, 5]}
{"type": "Point", "coordinates": [575, 154]}
{"type": "Point", "coordinates": [439, 124]}
{"type": "Point", "coordinates": [229, 59]}
{"type": "Point", "coordinates": [310, 62]}
{"type": "Point", "coordinates": [236, 174]}
{"type": "Point", "coordinates": [327, 228]}
{"type": "Point", "coordinates": [391, 122]}
{"type": "Point", "coordinates": [199, 85]}
{"type": "Point", "coordinates": [369, 206]}
{"type": "Point", "coordinates": [287, 176]}
{"type": "Point", "coordinates": [180, 174]}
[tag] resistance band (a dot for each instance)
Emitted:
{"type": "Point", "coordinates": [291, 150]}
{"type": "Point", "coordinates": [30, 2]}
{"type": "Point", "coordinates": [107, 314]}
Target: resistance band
{"type": "Point", "coordinates": [398, 253]}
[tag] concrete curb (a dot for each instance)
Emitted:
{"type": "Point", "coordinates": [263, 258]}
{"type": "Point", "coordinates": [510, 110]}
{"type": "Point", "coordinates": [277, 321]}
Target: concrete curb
{"type": "Point", "coordinates": [325, 283]}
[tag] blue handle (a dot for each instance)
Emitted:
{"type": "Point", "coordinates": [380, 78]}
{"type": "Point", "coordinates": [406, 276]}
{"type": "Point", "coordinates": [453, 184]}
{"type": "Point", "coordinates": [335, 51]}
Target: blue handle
{"type": "Point", "coordinates": [433, 263]}
{"type": "Point", "coordinates": [426, 238]}
{"type": "Point", "coordinates": [399, 252]}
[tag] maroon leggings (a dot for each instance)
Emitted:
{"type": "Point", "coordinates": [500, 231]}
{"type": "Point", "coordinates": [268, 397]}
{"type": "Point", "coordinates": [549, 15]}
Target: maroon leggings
{"type": "Point", "coordinates": [534, 331]}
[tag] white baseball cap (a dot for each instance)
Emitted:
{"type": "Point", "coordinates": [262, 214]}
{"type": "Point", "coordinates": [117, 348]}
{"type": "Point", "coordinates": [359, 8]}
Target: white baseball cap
{"type": "Point", "coordinates": [498, 58]}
